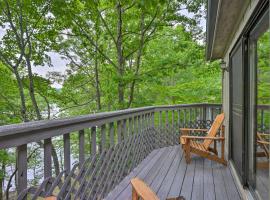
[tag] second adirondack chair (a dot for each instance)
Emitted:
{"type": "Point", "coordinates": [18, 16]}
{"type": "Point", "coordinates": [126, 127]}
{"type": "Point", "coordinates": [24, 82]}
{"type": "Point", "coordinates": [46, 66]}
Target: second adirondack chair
{"type": "Point", "coordinates": [190, 143]}
{"type": "Point", "coordinates": [264, 144]}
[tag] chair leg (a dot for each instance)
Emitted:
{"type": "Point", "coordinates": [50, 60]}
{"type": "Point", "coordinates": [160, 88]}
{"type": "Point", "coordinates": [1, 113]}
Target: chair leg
{"type": "Point", "coordinates": [135, 196]}
{"type": "Point", "coordinates": [187, 152]}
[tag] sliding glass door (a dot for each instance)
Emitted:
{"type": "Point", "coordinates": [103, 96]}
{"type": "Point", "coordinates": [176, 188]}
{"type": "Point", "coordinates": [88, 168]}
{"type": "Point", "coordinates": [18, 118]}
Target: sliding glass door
{"type": "Point", "coordinates": [259, 107]}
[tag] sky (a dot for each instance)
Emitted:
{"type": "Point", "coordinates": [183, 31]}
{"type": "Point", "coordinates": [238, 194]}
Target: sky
{"type": "Point", "coordinates": [59, 64]}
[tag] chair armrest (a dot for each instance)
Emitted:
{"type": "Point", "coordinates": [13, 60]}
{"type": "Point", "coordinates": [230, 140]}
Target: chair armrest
{"type": "Point", "coordinates": [263, 142]}
{"type": "Point", "coordinates": [202, 137]}
{"type": "Point", "coordinates": [193, 129]}
{"type": "Point", "coordinates": [140, 189]}
{"type": "Point", "coordinates": [50, 198]}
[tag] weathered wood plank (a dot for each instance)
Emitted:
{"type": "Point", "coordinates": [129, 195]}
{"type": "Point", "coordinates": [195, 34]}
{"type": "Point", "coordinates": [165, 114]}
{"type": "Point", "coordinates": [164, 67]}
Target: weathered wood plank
{"type": "Point", "coordinates": [187, 186]}
{"type": "Point", "coordinates": [208, 181]}
{"type": "Point", "coordinates": [158, 180]}
{"type": "Point", "coordinates": [47, 158]}
{"type": "Point", "coordinates": [178, 178]}
{"type": "Point", "coordinates": [220, 190]}
{"type": "Point", "coordinates": [230, 186]}
{"type": "Point", "coordinates": [198, 184]}
{"type": "Point", "coordinates": [22, 167]}
{"type": "Point", "coordinates": [168, 180]}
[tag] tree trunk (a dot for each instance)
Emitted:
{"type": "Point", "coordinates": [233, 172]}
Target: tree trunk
{"type": "Point", "coordinates": [97, 83]}
{"type": "Point", "coordinates": [138, 59]}
{"type": "Point", "coordinates": [32, 88]}
{"type": "Point", "coordinates": [22, 96]}
{"type": "Point", "coordinates": [120, 58]}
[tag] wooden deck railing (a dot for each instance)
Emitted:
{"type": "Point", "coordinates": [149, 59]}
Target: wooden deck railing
{"type": "Point", "coordinates": [119, 141]}
{"type": "Point", "coordinates": [263, 118]}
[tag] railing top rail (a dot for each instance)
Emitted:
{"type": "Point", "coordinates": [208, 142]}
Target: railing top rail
{"type": "Point", "coordinates": [23, 133]}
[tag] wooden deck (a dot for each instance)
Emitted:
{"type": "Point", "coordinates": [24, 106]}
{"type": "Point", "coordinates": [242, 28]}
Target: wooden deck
{"type": "Point", "coordinates": [167, 173]}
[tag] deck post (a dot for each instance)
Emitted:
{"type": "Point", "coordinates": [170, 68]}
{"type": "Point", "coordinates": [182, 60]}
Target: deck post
{"type": "Point", "coordinates": [47, 158]}
{"type": "Point", "coordinates": [22, 167]}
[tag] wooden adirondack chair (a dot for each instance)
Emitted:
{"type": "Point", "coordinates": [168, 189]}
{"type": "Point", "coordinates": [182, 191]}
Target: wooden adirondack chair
{"type": "Point", "coordinates": [141, 190]}
{"type": "Point", "coordinates": [265, 153]}
{"type": "Point", "coordinates": [190, 144]}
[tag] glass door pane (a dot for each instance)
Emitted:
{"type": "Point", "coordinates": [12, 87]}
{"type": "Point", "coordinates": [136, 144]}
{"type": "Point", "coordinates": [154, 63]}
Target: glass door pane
{"type": "Point", "coordinates": [259, 114]}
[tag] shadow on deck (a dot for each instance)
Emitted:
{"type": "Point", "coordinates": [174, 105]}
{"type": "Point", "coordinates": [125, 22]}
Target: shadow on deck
{"type": "Point", "coordinates": [166, 172]}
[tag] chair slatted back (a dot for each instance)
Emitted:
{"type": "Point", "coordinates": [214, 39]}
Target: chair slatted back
{"type": "Point", "coordinates": [263, 145]}
{"type": "Point", "coordinates": [214, 129]}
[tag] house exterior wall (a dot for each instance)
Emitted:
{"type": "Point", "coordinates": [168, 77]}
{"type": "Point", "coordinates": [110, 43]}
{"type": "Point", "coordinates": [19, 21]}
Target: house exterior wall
{"type": "Point", "coordinates": [226, 78]}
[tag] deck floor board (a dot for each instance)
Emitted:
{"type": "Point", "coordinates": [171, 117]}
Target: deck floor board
{"type": "Point", "coordinates": [167, 173]}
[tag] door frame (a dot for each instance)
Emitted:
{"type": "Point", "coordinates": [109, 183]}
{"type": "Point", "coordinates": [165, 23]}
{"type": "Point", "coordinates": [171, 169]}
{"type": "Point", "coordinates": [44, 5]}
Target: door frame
{"type": "Point", "coordinates": [258, 12]}
{"type": "Point", "coordinates": [239, 44]}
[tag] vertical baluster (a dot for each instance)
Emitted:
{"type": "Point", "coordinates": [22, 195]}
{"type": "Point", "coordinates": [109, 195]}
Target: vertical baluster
{"type": "Point", "coordinates": [135, 125]}
{"type": "Point", "coordinates": [111, 131]}
{"type": "Point", "coordinates": [130, 126]}
{"type": "Point", "coordinates": [67, 152]}
{"type": "Point", "coordinates": [139, 124]}
{"type": "Point", "coordinates": [178, 119]}
{"type": "Point", "coordinates": [167, 118]}
{"type": "Point", "coordinates": [185, 113]}
{"type": "Point", "coordinates": [147, 120]}
{"type": "Point", "coordinates": [262, 120]}
{"type": "Point", "coordinates": [143, 122]}
{"type": "Point", "coordinates": [160, 119]}
{"type": "Point", "coordinates": [153, 119]}
{"type": "Point", "coordinates": [204, 113]}
{"type": "Point", "coordinates": [196, 114]}
{"type": "Point", "coordinates": [124, 125]}
{"type": "Point", "coordinates": [119, 131]}
{"type": "Point", "coordinates": [47, 158]}
{"type": "Point", "coordinates": [93, 140]}
{"type": "Point", "coordinates": [22, 167]}
{"type": "Point", "coordinates": [190, 116]}
{"type": "Point", "coordinates": [81, 147]}
{"type": "Point", "coordinates": [212, 114]}
{"type": "Point", "coordinates": [103, 138]}
{"type": "Point", "coordinates": [172, 119]}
